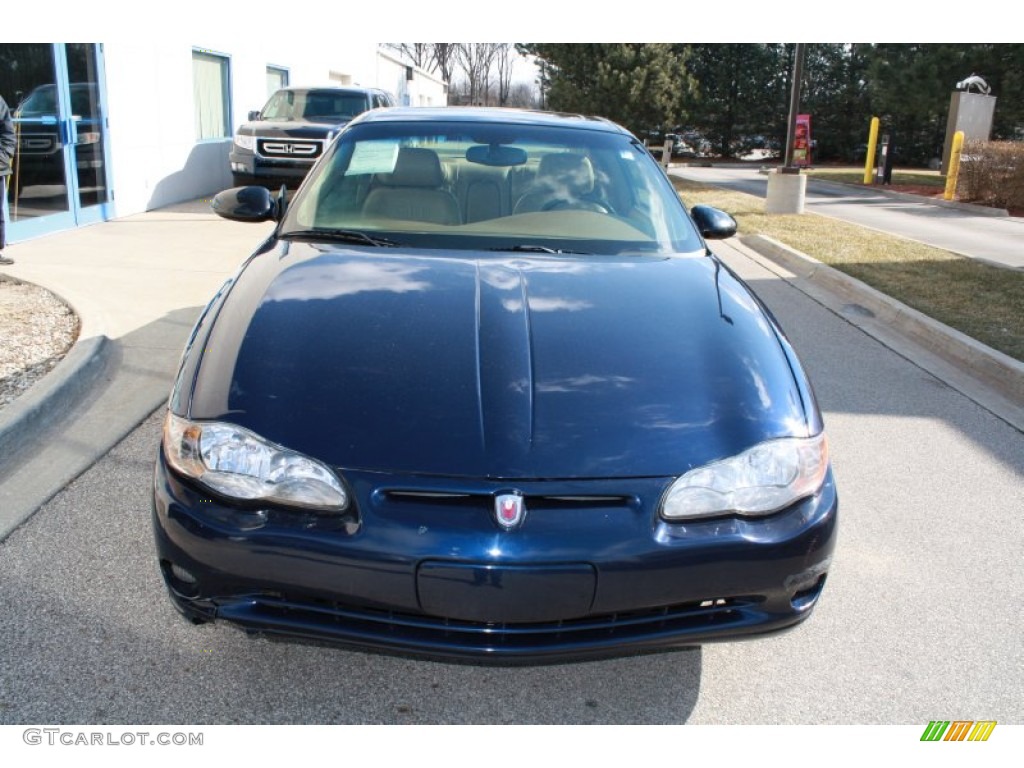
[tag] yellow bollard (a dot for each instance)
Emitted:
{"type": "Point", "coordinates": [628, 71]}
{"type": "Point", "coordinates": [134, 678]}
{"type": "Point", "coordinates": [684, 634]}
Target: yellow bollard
{"type": "Point", "coordinates": [954, 165]}
{"type": "Point", "coordinates": [869, 159]}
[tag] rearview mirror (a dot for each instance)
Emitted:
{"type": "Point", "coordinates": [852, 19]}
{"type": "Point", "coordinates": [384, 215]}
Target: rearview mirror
{"type": "Point", "coordinates": [496, 155]}
{"type": "Point", "coordinates": [254, 115]}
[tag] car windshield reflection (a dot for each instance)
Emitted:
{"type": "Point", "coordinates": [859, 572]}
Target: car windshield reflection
{"type": "Point", "coordinates": [494, 187]}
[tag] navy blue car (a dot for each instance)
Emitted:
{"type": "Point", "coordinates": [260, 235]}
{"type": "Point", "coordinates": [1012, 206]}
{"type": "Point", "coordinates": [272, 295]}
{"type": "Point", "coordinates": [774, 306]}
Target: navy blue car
{"type": "Point", "coordinates": [485, 392]}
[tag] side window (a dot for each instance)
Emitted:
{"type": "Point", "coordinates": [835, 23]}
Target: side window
{"type": "Point", "coordinates": [211, 92]}
{"type": "Point", "coordinates": [277, 78]}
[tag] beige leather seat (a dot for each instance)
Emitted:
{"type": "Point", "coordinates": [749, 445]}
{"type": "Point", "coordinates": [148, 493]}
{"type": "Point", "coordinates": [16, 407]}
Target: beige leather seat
{"type": "Point", "coordinates": [413, 191]}
{"type": "Point", "coordinates": [483, 193]}
{"type": "Point", "coordinates": [563, 178]}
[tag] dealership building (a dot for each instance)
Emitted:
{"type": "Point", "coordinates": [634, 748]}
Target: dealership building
{"type": "Point", "coordinates": [112, 129]}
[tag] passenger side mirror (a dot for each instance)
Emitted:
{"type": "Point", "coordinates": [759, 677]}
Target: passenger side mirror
{"type": "Point", "coordinates": [712, 223]}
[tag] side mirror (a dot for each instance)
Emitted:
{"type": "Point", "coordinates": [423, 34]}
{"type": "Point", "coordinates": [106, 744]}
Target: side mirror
{"type": "Point", "coordinates": [251, 204]}
{"type": "Point", "coordinates": [254, 115]}
{"type": "Point", "coordinates": [712, 223]}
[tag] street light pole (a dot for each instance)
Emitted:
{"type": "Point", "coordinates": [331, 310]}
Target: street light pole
{"type": "Point", "coordinates": [787, 187]}
{"type": "Point", "coordinates": [794, 106]}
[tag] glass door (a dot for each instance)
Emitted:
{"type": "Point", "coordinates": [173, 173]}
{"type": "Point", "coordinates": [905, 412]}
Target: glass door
{"type": "Point", "coordinates": [59, 174]}
{"type": "Point", "coordinates": [88, 132]}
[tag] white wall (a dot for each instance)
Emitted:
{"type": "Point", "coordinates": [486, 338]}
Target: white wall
{"type": "Point", "coordinates": [154, 157]}
{"type": "Point", "coordinates": [424, 90]}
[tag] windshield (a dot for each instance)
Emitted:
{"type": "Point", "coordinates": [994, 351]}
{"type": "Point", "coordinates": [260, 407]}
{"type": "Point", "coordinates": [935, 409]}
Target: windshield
{"type": "Point", "coordinates": [499, 186]}
{"type": "Point", "coordinates": [43, 101]}
{"type": "Point", "coordinates": [309, 105]}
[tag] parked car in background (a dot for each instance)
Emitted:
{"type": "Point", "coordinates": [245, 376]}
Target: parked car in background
{"type": "Point", "coordinates": [486, 392]}
{"type": "Point", "coordinates": [281, 142]}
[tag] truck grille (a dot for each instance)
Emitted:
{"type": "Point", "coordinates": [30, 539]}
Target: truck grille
{"type": "Point", "coordinates": [291, 149]}
{"type": "Point", "coordinates": [36, 143]}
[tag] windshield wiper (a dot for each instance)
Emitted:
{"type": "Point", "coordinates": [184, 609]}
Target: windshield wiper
{"type": "Point", "coordinates": [538, 249]}
{"type": "Point", "coordinates": [344, 235]}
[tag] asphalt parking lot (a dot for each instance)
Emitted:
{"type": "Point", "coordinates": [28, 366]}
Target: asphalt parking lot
{"type": "Point", "coordinates": [921, 617]}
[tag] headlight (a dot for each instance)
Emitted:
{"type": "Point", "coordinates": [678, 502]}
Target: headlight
{"type": "Point", "coordinates": [759, 481]}
{"type": "Point", "coordinates": [245, 142]}
{"type": "Point", "coordinates": [240, 464]}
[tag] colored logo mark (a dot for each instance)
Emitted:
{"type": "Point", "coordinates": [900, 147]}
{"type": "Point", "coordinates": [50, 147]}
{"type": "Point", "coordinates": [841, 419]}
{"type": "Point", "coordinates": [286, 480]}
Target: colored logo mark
{"type": "Point", "coordinates": [958, 730]}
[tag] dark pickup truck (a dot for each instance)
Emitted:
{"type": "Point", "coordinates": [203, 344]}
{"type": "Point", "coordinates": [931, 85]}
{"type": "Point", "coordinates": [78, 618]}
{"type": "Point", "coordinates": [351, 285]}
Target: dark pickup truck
{"type": "Point", "coordinates": [41, 139]}
{"type": "Point", "coordinates": [281, 142]}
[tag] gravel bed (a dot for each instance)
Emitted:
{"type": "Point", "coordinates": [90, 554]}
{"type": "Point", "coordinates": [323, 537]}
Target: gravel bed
{"type": "Point", "coordinates": [36, 330]}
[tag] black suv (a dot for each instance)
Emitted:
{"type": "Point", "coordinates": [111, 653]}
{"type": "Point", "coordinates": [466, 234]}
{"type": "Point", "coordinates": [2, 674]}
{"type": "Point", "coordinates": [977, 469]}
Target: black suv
{"type": "Point", "coordinates": [281, 142]}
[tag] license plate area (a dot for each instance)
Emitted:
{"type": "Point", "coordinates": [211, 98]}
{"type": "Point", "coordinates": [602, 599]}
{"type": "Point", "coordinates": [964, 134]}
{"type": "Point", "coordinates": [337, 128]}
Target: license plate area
{"type": "Point", "coordinates": [506, 594]}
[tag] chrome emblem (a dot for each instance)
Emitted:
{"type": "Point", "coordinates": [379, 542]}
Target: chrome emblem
{"type": "Point", "coordinates": [509, 510]}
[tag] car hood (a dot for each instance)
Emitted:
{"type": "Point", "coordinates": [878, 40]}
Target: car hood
{"type": "Point", "coordinates": [293, 129]}
{"type": "Point", "coordinates": [498, 366]}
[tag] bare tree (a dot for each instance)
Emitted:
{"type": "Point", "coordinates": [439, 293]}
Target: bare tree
{"type": "Point", "coordinates": [523, 95]}
{"type": "Point", "coordinates": [444, 55]}
{"type": "Point", "coordinates": [420, 54]}
{"type": "Point", "coordinates": [503, 61]}
{"type": "Point", "coordinates": [484, 70]}
{"type": "Point", "coordinates": [476, 60]}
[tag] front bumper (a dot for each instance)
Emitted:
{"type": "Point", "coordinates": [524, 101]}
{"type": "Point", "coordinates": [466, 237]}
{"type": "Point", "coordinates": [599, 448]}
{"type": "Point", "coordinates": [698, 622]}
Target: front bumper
{"type": "Point", "coordinates": [592, 571]}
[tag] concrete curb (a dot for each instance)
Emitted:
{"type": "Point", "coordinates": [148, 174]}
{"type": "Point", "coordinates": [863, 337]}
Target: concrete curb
{"type": "Point", "coordinates": [1001, 375]}
{"type": "Point", "coordinates": [56, 394]}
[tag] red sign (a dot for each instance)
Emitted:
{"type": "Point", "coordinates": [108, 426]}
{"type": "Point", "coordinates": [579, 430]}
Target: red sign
{"type": "Point", "coordinates": [802, 141]}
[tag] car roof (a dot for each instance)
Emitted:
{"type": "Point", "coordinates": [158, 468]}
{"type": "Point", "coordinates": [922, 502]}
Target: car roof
{"type": "Point", "coordinates": [336, 88]}
{"type": "Point", "coordinates": [495, 115]}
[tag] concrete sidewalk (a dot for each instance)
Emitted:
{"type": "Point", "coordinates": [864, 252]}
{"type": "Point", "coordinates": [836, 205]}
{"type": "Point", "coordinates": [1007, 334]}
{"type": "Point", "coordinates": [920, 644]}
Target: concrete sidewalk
{"type": "Point", "coordinates": [969, 230]}
{"type": "Point", "coordinates": [137, 284]}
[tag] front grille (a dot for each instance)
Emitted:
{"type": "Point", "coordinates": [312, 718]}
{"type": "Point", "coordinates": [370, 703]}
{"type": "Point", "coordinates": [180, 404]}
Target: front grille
{"type": "Point", "coordinates": [327, 619]}
{"type": "Point", "coordinates": [288, 148]}
{"type": "Point", "coordinates": [485, 501]}
{"type": "Point", "coordinates": [36, 143]}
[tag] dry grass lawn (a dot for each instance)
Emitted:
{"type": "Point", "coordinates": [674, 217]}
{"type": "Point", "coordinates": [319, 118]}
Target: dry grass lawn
{"type": "Point", "coordinates": [985, 302]}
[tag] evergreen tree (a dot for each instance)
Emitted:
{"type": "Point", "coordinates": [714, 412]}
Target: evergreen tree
{"type": "Point", "coordinates": [641, 86]}
{"type": "Point", "coordinates": [742, 93]}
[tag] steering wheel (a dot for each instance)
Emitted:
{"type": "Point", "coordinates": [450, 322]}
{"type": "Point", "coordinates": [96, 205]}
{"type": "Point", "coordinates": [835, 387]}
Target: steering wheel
{"type": "Point", "coordinates": [563, 204]}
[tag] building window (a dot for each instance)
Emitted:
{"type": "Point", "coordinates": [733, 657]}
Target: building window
{"type": "Point", "coordinates": [277, 78]}
{"type": "Point", "coordinates": [211, 88]}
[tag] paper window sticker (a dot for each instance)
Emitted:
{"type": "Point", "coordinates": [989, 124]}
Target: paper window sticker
{"type": "Point", "coordinates": [373, 157]}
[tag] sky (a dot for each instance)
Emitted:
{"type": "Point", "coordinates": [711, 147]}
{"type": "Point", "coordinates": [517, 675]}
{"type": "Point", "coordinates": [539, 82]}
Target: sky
{"type": "Point", "coordinates": [544, 20]}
